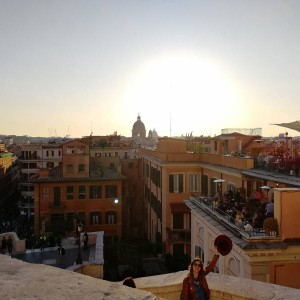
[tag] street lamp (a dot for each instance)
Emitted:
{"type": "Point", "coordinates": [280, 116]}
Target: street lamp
{"type": "Point", "coordinates": [79, 258]}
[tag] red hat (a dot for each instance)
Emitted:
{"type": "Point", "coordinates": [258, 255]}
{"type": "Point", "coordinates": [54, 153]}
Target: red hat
{"type": "Point", "coordinates": [223, 244]}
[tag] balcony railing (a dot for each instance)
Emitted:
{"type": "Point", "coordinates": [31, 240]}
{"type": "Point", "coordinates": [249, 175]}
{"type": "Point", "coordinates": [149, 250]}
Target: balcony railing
{"type": "Point", "coordinates": [287, 166]}
{"type": "Point", "coordinates": [57, 205]}
{"type": "Point", "coordinates": [211, 207]}
{"type": "Point", "coordinates": [179, 235]}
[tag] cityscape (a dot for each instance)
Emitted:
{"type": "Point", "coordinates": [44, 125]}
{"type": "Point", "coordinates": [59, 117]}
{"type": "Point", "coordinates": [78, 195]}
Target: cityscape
{"type": "Point", "coordinates": [145, 144]}
{"type": "Point", "coordinates": [158, 199]}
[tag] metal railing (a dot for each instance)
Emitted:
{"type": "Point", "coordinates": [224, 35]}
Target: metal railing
{"type": "Point", "coordinates": [210, 206]}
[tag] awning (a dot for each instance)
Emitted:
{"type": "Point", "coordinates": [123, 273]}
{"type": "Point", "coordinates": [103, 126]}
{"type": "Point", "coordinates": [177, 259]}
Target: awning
{"type": "Point", "coordinates": [292, 125]}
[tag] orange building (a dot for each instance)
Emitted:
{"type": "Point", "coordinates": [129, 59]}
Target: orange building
{"type": "Point", "coordinates": [81, 189]}
{"type": "Point", "coordinates": [170, 175]}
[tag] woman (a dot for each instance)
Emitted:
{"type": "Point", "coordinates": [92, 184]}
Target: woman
{"type": "Point", "coordinates": [195, 286]}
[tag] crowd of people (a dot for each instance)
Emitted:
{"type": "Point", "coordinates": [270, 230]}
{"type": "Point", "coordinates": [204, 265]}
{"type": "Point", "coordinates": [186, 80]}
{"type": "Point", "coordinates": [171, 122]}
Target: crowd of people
{"type": "Point", "coordinates": [247, 213]}
{"type": "Point", "coordinates": [283, 162]}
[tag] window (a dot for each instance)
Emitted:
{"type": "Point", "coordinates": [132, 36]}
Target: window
{"type": "Point", "coordinates": [178, 221]}
{"type": "Point", "coordinates": [213, 186]}
{"type": "Point", "coordinates": [50, 153]}
{"type": "Point", "coordinates": [95, 192]}
{"type": "Point", "coordinates": [81, 192]}
{"type": "Point", "coordinates": [70, 192]}
{"type": "Point", "coordinates": [57, 196]}
{"type": "Point", "coordinates": [45, 193]}
{"type": "Point", "coordinates": [110, 191]}
{"type": "Point", "coordinates": [204, 185]}
{"type": "Point", "coordinates": [176, 183]}
{"type": "Point", "coordinates": [199, 252]}
{"type": "Point", "coordinates": [111, 217]}
{"type": "Point", "coordinates": [95, 218]}
{"type": "Point", "coordinates": [194, 182]}
{"type": "Point", "coordinates": [50, 165]}
{"type": "Point", "coordinates": [81, 168]}
{"type": "Point", "coordinates": [116, 153]}
{"type": "Point", "coordinates": [231, 187]}
{"type": "Point", "coordinates": [69, 168]}
{"type": "Point", "coordinates": [70, 150]}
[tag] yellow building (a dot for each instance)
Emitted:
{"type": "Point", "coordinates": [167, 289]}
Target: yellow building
{"type": "Point", "coordinates": [171, 174]}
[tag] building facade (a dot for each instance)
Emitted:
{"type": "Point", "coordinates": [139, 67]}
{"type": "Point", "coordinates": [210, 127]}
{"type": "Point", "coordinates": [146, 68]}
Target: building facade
{"type": "Point", "coordinates": [33, 158]}
{"type": "Point", "coordinates": [172, 173]}
{"type": "Point", "coordinates": [80, 190]}
{"type": "Point", "coordinates": [257, 256]}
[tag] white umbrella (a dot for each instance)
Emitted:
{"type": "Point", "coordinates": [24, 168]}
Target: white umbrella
{"type": "Point", "coordinates": [219, 180]}
{"type": "Point", "coordinates": [265, 187]}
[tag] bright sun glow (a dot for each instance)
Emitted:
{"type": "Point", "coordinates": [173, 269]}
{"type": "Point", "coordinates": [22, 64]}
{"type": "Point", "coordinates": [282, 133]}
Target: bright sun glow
{"type": "Point", "coordinates": [197, 94]}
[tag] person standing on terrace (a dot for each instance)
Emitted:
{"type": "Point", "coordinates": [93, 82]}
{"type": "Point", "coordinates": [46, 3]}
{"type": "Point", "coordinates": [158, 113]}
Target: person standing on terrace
{"type": "Point", "coordinates": [195, 286]}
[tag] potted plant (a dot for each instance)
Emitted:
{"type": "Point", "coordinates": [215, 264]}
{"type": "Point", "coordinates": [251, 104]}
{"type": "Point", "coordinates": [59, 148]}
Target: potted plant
{"type": "Point", "coordinates": [270, 225]}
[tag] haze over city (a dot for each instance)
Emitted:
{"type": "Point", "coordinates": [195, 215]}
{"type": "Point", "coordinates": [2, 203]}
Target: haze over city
{"type": "Point", "coordinates": [76, 67]}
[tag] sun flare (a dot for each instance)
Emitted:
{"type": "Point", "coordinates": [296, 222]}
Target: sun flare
{"type": "Point", "coordinates": [196, 92]}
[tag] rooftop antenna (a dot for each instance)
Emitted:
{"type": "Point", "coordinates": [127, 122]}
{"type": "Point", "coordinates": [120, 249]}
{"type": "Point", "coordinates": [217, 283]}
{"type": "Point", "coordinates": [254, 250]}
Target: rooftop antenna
{"type": "Point", "coordinates": [91, 128]}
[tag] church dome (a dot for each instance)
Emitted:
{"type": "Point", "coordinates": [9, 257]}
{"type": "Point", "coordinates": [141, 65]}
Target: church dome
{"type": "Point", "coordinates": [138, 125]}
{"type": "Point", "coordinates": [138, 131]}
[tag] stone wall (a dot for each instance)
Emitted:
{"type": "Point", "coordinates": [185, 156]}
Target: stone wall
{"type": "Point", "coordinates": [20, 280]}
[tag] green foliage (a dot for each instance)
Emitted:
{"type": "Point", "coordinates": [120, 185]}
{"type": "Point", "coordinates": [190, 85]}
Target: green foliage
{"type": "Point", "coordinates": [271, 224]}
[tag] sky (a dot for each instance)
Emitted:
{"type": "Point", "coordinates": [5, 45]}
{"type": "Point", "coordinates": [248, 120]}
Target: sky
{"type": "Point", "coordinates": [76, 67]}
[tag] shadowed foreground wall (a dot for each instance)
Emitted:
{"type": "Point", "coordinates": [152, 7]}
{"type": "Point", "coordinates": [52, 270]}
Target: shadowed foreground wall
{"type": "Point", "coordinates": [20, 280]}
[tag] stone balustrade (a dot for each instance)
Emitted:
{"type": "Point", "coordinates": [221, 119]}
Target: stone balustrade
{"type": "Point", "coordinates": [20, 280]}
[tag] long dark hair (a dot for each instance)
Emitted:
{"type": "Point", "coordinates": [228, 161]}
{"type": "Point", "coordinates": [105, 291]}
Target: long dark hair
{"type": "Point", "coordinates": [198, 259]}
{"type": "Point", "coordinates": [129, 282]}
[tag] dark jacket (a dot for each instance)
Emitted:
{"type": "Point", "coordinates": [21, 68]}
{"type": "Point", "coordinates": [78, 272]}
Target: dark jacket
{"type": "Point", "coordinates": [188, 289]}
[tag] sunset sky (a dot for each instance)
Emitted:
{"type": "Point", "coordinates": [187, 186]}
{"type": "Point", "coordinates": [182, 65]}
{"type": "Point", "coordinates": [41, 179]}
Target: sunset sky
{"type": "Point", "coordinates": [76, 67]}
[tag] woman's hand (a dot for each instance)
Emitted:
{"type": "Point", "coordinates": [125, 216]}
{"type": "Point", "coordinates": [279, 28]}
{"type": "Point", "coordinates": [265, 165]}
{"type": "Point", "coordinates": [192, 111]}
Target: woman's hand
{"type": "Point", "coordinates": [216, 251]}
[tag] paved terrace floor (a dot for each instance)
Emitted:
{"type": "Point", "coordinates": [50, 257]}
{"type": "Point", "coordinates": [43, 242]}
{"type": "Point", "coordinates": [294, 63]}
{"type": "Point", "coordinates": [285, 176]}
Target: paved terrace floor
{"type": "Point", "coordinates": [49, 256]}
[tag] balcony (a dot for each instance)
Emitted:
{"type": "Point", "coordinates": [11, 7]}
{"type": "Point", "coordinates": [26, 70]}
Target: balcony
{"type": "Point", "coordinates": [57, 206]}
{"type": "Point", "coordinates": [211, 207]}
{"type": "Point", "coordinates": [286, 166]}
{"type": "Point", "coordinates": [179, 235]}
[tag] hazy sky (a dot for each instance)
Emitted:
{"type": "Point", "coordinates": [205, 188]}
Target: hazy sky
{"type": "Point", "coordinates": [72, 67]}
